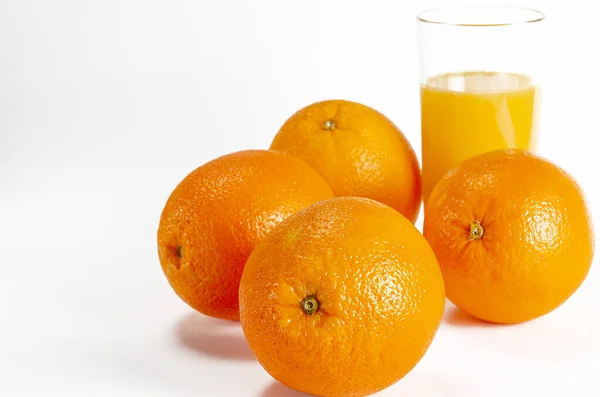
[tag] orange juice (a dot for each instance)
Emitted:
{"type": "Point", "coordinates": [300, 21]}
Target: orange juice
{"type": "Point", "coordinates": [468, 113]}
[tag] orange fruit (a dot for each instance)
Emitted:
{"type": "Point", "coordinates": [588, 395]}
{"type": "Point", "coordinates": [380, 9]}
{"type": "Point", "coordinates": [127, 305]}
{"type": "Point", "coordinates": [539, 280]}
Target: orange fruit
{"type": "Point", "coordinates": [341, 299]}
{"type": "Point", "coordinates": [216, 215]}
{"type": "Point", "coordinates": [512, 234]}
{"type": "Point", "coordinates": [358, 151]}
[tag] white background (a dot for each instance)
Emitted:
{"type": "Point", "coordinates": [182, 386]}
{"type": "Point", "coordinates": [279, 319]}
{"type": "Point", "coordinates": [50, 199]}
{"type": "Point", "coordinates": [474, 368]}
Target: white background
{"type": "Point", "coordinates": [106, 105]}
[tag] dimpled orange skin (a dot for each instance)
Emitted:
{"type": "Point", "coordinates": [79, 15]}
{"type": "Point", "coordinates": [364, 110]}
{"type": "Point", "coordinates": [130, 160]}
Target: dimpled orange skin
{"type": "Point", "coordinates": [218, 213]}
{"type": "Point", "coordinates": [537, 243]}
{"type": "Point", "coordinates": [358, 151]}
{"type": "Point", "coordinates": [379, 290]}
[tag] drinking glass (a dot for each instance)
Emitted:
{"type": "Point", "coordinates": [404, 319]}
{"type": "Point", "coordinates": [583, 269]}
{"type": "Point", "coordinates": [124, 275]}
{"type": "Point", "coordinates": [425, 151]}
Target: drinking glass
{"type": "Point", "coordinates": [480, 80]}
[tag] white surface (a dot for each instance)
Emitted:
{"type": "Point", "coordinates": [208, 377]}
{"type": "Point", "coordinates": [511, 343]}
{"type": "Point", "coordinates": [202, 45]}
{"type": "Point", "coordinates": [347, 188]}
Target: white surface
{"type": "Point", "coordinates": [105, 106]}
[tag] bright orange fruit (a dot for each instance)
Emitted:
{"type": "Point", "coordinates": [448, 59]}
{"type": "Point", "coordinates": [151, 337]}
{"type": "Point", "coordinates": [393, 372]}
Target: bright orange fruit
{"type": "Point", "coordinates": [341, 299]}
{"type": "Point", "coordinates": [358, 151]}
{"type": "Point", "coordinates": [512, 234]}
{"type": "Point", "coordinates": [218, 213]}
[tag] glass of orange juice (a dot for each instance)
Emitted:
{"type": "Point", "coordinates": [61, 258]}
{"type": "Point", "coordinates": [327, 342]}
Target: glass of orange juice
{"type": "Point", "coordinates": [480, 78]}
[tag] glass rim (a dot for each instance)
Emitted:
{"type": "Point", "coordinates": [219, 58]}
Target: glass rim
{"type": "Point", "coordinates": [530, 15]}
